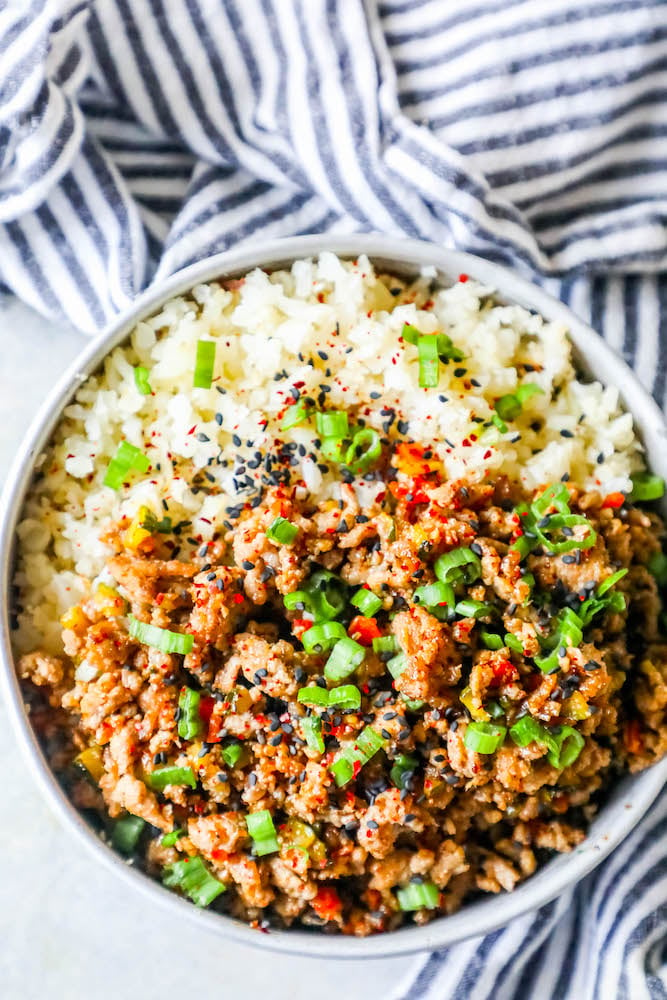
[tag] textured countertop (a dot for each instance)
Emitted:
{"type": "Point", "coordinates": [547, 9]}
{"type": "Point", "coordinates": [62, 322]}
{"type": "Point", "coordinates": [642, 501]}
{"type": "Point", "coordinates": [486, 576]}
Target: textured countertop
{"type": "Point", "coordinates": [69, 929]}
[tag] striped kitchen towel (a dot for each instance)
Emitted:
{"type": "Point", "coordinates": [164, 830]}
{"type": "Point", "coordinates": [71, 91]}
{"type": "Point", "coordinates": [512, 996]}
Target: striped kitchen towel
{"type": "Point", "coordinates": [139, 135]}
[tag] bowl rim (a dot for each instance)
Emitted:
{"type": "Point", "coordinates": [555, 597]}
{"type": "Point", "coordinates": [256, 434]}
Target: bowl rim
{"type": "Point", "coordinates": [632, 797]}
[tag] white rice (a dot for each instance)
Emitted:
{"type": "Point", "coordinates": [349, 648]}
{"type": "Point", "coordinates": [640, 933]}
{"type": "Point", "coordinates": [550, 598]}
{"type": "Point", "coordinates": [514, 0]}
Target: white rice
{"type": "Point", "coordinates": [279, 322]}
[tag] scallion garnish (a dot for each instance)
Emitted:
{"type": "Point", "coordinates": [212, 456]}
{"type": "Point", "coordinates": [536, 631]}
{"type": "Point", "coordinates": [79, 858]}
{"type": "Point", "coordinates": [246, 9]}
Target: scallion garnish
{"type": "Point", "coordinates": [397, 665]}
{"type": "Point", "coordinates": [344, 659]}
{"type": "Point", "coordinates": [368, 603]}
{"type": "Point", "coordinates": [402, 770]}
{"type": "Point", "coordinates": [418, 896]}
{"type": "Point", "coordinates": [510, 406]}
{"type": "Point", "coordinates": [332, 424]}
{"type": "Point", "coordinates": [514, 643]}
{"type": "Point", "coordinates": [346, 697]}
{"type": "Point", "coordinates": [646, 487]}
{"type": "Point", "coordinates": [141, 380]}
{"type": "Point", "coordinates": [126, 833]}
{"type": "Point", "coordinates": [657, 566]}
{"type": "Point", "coordinates": [490, 640]}
{"type": "Point", "coordinates": [320, 638]}
{"type": "Point", "coordinates": [189, 722]}
{"type": "Point", "coordinates": [313, 695]}
{"type": "Point", "coordinates": [458, 565]}
{"type": "Point", "coordinates": [383, 644]}
{"type": "Point", "coordinates": [127, 457]}
{"type": "Point", "coordinates": [438, 598]}
{"type": "Point", "coordinates": [294, 415]}
{"type": "Point", "coordinates": [468, 608]}
{"type": "Point", "coordinates": [282, 531]}
{"type": "Point", "coordinates": [429, 362]}
{"type": "Point", "coordinates": [171, 838]}
{"type": "Point", "coordinates": [526, 730]}
{"type": "Point", "coordinates": [484, 737]}
{"type": "Point", "coordinates": [311, 726]}
{"type": "Point", "coordinates": [193, 878]}
{"type": "Point", "coordinates": [204, 364]}
{"type": "Point", "coordinates": [568, 744]}
{"type": "Point", "coordinates": [232, 754]}
{"type": "Point", "coordinates": [160, 638]}
{"type": "Point", "coordinates": [363, 451]}
{"type": "Point", "coordinates": [263, 832]}
{"type": "Point", "coordinates": [170, 774]}
{"type": "Point", "coordinates": [353, 757]}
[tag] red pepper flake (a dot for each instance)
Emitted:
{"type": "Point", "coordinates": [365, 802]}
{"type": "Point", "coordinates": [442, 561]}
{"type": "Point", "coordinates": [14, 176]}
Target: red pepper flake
{"type": "Point", "coordinates": [463, 278]}
{"type": "Point", "coordinates": [356, 768]}
{"type": "Point", "coordinates": [191, 431]}
{"type": "Point", "coordinates": [238, 598]}
{"type": "Point", "coordinates": [613, 500]}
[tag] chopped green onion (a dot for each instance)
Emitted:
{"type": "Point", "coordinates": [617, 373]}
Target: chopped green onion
{"type": "Point", "coordinates": [459, 565]}
{"type": "Point", "coordinates": [385, 644]}
{"type": "Point", "coordinates": [397, 665]}
{"type": "Point", "coordinates": [657, 566]}
{"type": "Point", "coordinates": [524, 392]}
{"type": "Point", "coordinates": [127, 457]}
{"type": "Point", "coordinates": [410, 333]}
{"type": "Point", "coordinates": [556, 495]}
{"type": "Point", "coordinates": [484, 737]}
{"type": "Point", "coordinates": [126, 833]}
{"type": "Point", "coordinates": [160, 638]}
{"type": "Point", "coordinates": [446, 349]}
{"type": "Point", "coordinates": [549, 663]}
{"type": "Point", "coordinates": [141, 380]}
{"type": "Point", "coordinates": [438, 598]}
{"type": "Point", "coordinates": [526, 730]}
{"type": "Point", "coordinates": [367, 744]}
{"type": "Point", "coordinates": [557, 522]}
{"type": "Point", "coordinates": [151, 523]}
{"type": "Point", "coordinates": [646, 487]}
{"type": "Point", "coordinates": [311, 726]}
{"type": "Point", "coordinates": [232, 754]}
{"type": "Point", "coordinates": [298, 600]}
{"type": "Point", "coordinates": [500, 424]}
{"type": "Point", "coordinates": [263, 832]}
{"type": "Point", "coordinates": [368, 603]}
{"type": "Point", "coordinates": [468, 608]}
{"type": "Point", "coordinates": [282, 531]}
{"type": "Point", "coordinates": [294, 415]}
{"type": "Point", "coordinates": [429, 362]}
{"type": "Point", "coordinates": [491, 640]}
{"type": "Point", "coordinates": [204, 364]}
{"type": "Point", "coordinates": [508, 407]}
{"type": "Point", "coordinates": [328, 594]}
{"type": "Point", "coordinates": [313, 695]}
{"type": "Point", "coordinates": [594, 606]}
{"type": "Point", "coordinates": [412, 704]}
{"type": "Point", "coordinates": [347, 697]}
{"type": "Point", "coordinates": [332, 424]}
{"type": "Point", "coordinates": [513, 642]}
{"type": "Point", "coordinates": [418, 896]}
{"type": "Point", "coordinates": [364, 450]}
{"type": "Point", "coordinates": [611, 581]}
{"type": "Point", "coordinates": [189, 722]}
{"type": "Point", "coordinates": [170, 839]}
{"type": "Point", "coordinates": [404, 766]}
{"type": "Point", "coordinates": [193, 877]}
{"type": "Point", "coordinates": [568, 744]}
{"type": "Point", "coordinates": [319, 638]}
{"type": "Point", "coordinates": [333, 449]}
{"type": "Point", "coordinates": [495, 710]}
{"type": "Point", "coordinates": [570, 631]}
{"type": "Point", "coordinates": [171, 775]}
{"type": "Point", "coordinates": [344, 659]}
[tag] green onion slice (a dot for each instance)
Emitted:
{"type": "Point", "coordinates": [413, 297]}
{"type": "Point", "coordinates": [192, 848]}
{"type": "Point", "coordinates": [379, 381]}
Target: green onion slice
{"type": "Point", "coordinates": [328, 594]}
{"type": "Point", "coordinates": [418, 896]}
{"type": "Point", "coordinates": [294, 415]}
{"type": "Point", "coordinates": [568, 744]}
{"type": "Point", "coordinates": [429, 361]}
{"type": "Point", "coordinates": [557, 522]}
{"type": "Point", "coordinates": [347, 697]}
{"type": "Point", "coordinates": [193, 878]}
{"type": "Point", "coordinates": [490, 640]}
{"type": "Point", "coordinates": [344, 659]}
{"type": "Point", "coordinates": [468, 608]}
{"type": "Point", "coordinates": [397, 665]}
{"type": "Point", "coordinates": [127, 457]}
{"type": "Point", "coordinates": [313, 695]}
{"type": "Point", "coordinates": [368, 603]}
{"type": "Point", "coordinates": [459, 565]}
{"type": "Point", "coordinates": [500, 424]}
{"type": "Point", "coordinates": [171, 838]}
{"type": "Point", "coordinates": [403, 767]}
{"type": "Point", "coordinates": [484, 737]}
{"type": "Point", "coordinates": [263, 832]}
{"type": "Point", "coordinates": [332, 424]}
{"type": "Point", "coordinates": [311, 726]}
{"type": "Point", "coordinates": [171, 775]}
{"type": "Point", "coordinates": [282, 531]}
{"type": "Point", "coordinates": [320, 638]}
{"type": "Point", "coordinates": [524, 392]}
{"type": "Point", "coordinates": [514, 643]}
{"type": "Point", "coordinates": [356, 755]}
{"type": "Point", "coordinates": [189, 723]}
{"type": "Point", "coordinates": [385, 644]}
{"type": "Point", "coordinates": [232, 754]}
{"type": "Point", "coordinates": [204, 364]}
{"type": "Point", "coordinates": [438, 598]}
{"type": "Point", "coordinates": [141, 380]}
{"type": "Point", "coordinates": [364, 450]}
{"type": "Point", "coordinates": [526, 730]}
{"type": "Point", "coordinates": [160, 638]}
{"type": "Point", "coordinates": [657, 566]}
{"type": "Point", "coordinates": [646, 487]}
{"type": "Point", "coordinates": [126, 833]}
{"type": "Point", "coordinates": [611, 581]}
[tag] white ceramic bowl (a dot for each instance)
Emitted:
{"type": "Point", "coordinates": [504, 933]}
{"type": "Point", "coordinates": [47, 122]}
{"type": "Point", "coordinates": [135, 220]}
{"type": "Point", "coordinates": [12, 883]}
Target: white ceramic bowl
{"type": "Point", "coordinates": [632, 797]}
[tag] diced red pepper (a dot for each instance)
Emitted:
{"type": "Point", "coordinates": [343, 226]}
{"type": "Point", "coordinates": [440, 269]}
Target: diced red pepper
{"type": "Point", "coordinates": [327, 903]}
{"type": "Point", "coordinates": [614, 500]}
{"type": "Point", "coordinates": [364, 630]}
{"type": "Point", "coordinates": [300, 625]}
{"type": "Point", "coordinates": [504, 671]}
{"type": "Point", "coordinates": [633, 738]}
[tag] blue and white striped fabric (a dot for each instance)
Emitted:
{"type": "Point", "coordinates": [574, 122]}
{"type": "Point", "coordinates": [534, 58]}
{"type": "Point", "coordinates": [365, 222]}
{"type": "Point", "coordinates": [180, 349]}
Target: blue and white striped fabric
{"type": "Point", "coordinates": [139, 135]}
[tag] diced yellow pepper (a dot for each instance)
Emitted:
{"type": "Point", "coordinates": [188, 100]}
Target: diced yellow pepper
{"type": "Point", "coordinates": [136, 534]}
{"type": "Point", "coordinates": [108, 600]}
{"type": "Point", "coordinates": [475, 708]}
{"type": "Point", "coordinates": [409, 459]}
{"type": "Point", "coordinates": [576, 707]}
{"type": "Point", "coordinates": [74, 619]}
{"type": "Point", "coordinates": [90, 760]}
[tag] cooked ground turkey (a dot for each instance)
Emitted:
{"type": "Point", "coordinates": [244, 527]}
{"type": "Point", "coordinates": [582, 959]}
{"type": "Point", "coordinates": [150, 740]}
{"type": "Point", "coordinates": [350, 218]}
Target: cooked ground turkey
{"type": "Point", "coordinates": [461, 820]}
